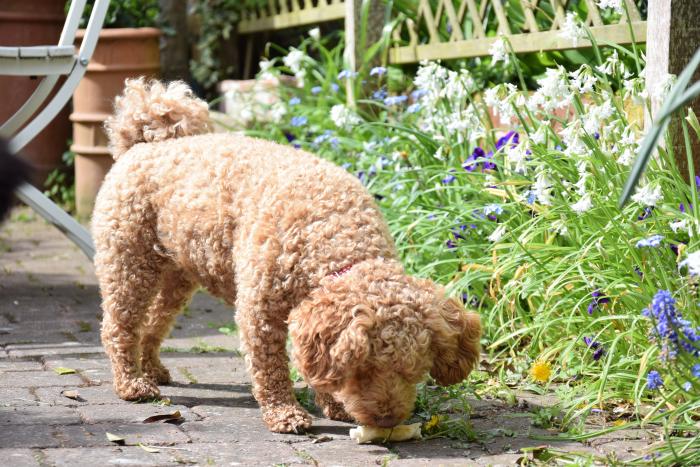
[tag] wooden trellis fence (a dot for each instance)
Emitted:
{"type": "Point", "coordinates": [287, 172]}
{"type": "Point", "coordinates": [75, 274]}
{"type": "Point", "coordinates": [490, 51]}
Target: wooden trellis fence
{"type": "Point", "coordinates": [530, 25]}
{"type": "Point", "coordinates": [280, 14]}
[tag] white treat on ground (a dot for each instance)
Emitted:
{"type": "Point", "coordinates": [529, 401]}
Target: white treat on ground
{"type": "Point", "coordinates": [367, 434]}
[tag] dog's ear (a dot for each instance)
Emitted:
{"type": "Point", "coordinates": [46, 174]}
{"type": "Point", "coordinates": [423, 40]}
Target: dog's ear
{"type": "Point", "coordinates": [328, 346]}
{"type": "Point", "coordinates": [455, 341]}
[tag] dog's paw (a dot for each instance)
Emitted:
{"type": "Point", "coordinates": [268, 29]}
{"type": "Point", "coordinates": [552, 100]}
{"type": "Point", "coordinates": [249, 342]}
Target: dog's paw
{"type": "Point", "coordinates": [286, 419]}
{"type": "Point", "coordinates": [137, 389]}
{"type": "Point", "coordinates": [156, 372]}
{"type": "Point", "coordinates": [332, 409]}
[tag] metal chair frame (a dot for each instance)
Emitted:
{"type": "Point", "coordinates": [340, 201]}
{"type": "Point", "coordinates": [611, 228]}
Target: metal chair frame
{"type": "Point", "coordinates": [51, 62]}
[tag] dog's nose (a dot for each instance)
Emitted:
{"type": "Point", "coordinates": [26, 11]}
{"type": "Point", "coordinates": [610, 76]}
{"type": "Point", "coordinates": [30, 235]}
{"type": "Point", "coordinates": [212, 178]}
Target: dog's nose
{"type": "Point", "coordinates": [389, 421]}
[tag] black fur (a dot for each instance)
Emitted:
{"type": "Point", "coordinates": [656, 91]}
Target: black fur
{"type": "Point", "coordinates": [13, 172]}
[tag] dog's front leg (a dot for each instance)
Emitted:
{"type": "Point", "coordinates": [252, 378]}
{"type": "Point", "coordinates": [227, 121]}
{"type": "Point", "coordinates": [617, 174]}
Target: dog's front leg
{"type": "Point", "coordinates": [264, 336]}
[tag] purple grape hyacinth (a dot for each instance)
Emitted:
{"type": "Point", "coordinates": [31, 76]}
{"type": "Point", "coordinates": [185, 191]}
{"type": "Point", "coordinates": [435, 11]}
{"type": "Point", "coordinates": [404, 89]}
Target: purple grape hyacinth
{"type": "Point", "coordinates": [670, 329]}
{"type": "Point", "coordinates": [654, 380]}
{"type": "Point", "coordinates": [599, 298]}
{"type": "Point", "coordinates": [598, 350]}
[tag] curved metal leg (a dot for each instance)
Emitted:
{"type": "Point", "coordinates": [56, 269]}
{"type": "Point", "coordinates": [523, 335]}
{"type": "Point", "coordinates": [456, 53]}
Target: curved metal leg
{"type": "Point", "coordinates": [58, 217]}
{"type": "Point", "coordinates": [40, 94]}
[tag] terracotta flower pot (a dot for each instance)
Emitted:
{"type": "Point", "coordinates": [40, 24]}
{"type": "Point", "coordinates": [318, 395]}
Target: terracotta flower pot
{"type": "Point", "coordinates": [120, 54]}
{"type": "Point", "coordinates": [38, 22]}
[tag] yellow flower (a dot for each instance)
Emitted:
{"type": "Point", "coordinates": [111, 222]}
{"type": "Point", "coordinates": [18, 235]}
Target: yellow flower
{"type": "Point", "coordinates": [432, 423]}
{"type": "Point", "coordinates": [541, 371]}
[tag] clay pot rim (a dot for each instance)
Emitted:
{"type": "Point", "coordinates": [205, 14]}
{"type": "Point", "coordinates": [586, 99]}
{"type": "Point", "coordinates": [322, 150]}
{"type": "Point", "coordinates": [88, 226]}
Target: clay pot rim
{"type": "Point", "coordinates": [109, 33]}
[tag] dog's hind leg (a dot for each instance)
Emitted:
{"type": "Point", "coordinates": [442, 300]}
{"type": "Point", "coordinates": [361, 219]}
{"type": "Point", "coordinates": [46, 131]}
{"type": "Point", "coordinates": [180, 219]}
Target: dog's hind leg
{"type": "Point", "coordinates": [129, 273]}
{"type": "Point", "coordinates": [175, 291]}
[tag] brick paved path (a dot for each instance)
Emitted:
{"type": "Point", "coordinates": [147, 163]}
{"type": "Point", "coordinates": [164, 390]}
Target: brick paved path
{"type": "Point", "coordinates": [49, 319]}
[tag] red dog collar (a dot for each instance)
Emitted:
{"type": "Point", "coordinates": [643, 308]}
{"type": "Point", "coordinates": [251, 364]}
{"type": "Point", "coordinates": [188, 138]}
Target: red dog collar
{"type": "Point", "coordinates": [341, 271]}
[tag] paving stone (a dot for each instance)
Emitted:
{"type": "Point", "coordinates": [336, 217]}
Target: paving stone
{"type": "Point", "coordinates": [210, 368]}
{"type": "Point", "coordinates": [20, 365]}
{"type": "Point", "coordinates": [93, 395]}
{"type": "Point", "coordinates": [16, 397]}
{"type": "Point", "coordinates": [61, 348]}
{"type": "Point", "coordinates": [20, 457]}
{"type": "Point", "coordinates": [29, 436]}
{"type": "Point", "coordinates": [38, 415]}
{"type": "Point", "coordinates": [89, 435]}
{"type": "Point", "coordinates": [37, 379]}
{"type": "Point", "coordinates": [126, 412]}
{"type": "Point", "coordinates": [95, 368]}
{"type": "Point", "coordinates": [123, 455]}
{"type": "Point", "coordinates": [221, 395]}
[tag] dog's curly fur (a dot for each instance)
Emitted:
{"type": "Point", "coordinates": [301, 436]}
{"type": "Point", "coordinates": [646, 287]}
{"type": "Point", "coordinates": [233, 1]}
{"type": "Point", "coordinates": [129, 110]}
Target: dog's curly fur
{"type": "Point", "coordinates": [263, 226]}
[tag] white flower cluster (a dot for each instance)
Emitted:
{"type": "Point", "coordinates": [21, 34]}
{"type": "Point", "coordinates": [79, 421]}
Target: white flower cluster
{"type": "Point", "coordinates": [553, 93]}
{"type": "Point", "coordinates": [499, 51]}
{"type": "Point", "coordinates": [444, 95]}
{"type": "Point", "coordinates": [294, 60]}
{"type": "Point", "coordinates": [572, 29]}
{"type": "Point", "coordinates": [343, 117]}
{"type": "Point", "coordinates": [614, 4]}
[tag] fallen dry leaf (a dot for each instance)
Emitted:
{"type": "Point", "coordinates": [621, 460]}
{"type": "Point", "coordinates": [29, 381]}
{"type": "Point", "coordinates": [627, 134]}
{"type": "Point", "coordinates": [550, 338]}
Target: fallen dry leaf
{"type": "Point", "coordinates": [321, 439]}
{"type": "Point", "coordinates": [64, 371]}
{"type": "Point", "coordinates": [148, 448]}
{"type": "Point", "coordinates": [112, 438]}
{"type": "Point", "coordinates": [174, 417]}
{"type": "Point", "coordinates": [70, 394]}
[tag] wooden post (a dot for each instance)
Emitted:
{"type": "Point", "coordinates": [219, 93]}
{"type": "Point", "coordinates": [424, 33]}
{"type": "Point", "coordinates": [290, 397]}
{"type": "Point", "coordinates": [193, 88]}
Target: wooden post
{"type": "Point", "coordinates": [354, 51]}
{"type": "Point", "coordinates": [174, 44]}
{"type": "Point", "coordinates": [673, 36]}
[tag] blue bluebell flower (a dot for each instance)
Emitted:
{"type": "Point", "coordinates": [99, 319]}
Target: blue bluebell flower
{"type": "Point", "coordinates": [335, 87]}
{"type": "Point", "coordinates": [654, 380]}
{"type": "Point", "coordinates": [472, 162]}
{"type": "Point", "coordinates": [493, 209]}
{"type": "Point", "coordinates": [316, 90]}
{"type": "Point", "coordinates": [652, 242]}
{"type": "Point", "coordinates": [646, 213]}
{"type": "Point", "coordinates": [346, 165]}
{"type": "Point", "coordinates": [687, 386]}
{"type": "Point", "coordinates": [674, 333]}
{"type": "Point", "coordinates": [395, 100]}
{"type": "Point", "coordinates": [450, 244]}
{"type": "Point", "coordinates": [598, 350]}
{"type": "Point", "coordinates": [695, 371]}
{"type": "Point", "coordinates": [380, 94]}
{"type": "Point", "coordinates": [299, 120]}
{"type": "Point", "coordinates": [346, 74]}
{"type": "Point", "coordinates": [596, 135]}
{"type": "Point", "coordinates": [418, 93]}
{"type": "Point", "coordinates": [294, 101]}
{"type": "Point", "coordinates": [377, 71]}
{"type": "Point", "coordinates": [449, 179]}
{"type": "Point", "coordinates": [413, 108]}
{"type": "Point", "coordinates": [511, 137]}
{"type": "Point", "coordinates": [599, 298]}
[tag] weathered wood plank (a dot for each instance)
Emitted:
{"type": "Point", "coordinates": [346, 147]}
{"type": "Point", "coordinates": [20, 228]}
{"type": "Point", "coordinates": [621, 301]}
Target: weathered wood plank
{"type": "Point", "coordinates": [293, 18]}
{"type": "Point", "coordinates": [522, 43]}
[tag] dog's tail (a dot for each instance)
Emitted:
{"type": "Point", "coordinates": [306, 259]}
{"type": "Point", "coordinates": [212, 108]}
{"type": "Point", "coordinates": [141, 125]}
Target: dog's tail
{"type": "Point", "coordinates": [151, 111]}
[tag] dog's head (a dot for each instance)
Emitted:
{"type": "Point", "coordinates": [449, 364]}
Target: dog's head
{"type": "Point", "coordinates": [369, 336]}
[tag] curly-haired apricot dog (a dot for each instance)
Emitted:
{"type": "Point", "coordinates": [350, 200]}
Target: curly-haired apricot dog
{"type": "Point", "coordinates": [292, 241]}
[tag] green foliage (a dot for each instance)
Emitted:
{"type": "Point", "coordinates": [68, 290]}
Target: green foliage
{"type": "Point", "coordinates": [125, 13]}
{"type": "Point", "coordinates": [217, 21]}
{"type": "Point", "coordinates": [528, 233]}
{"type": "Point", "coordinates": [60, 184]}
